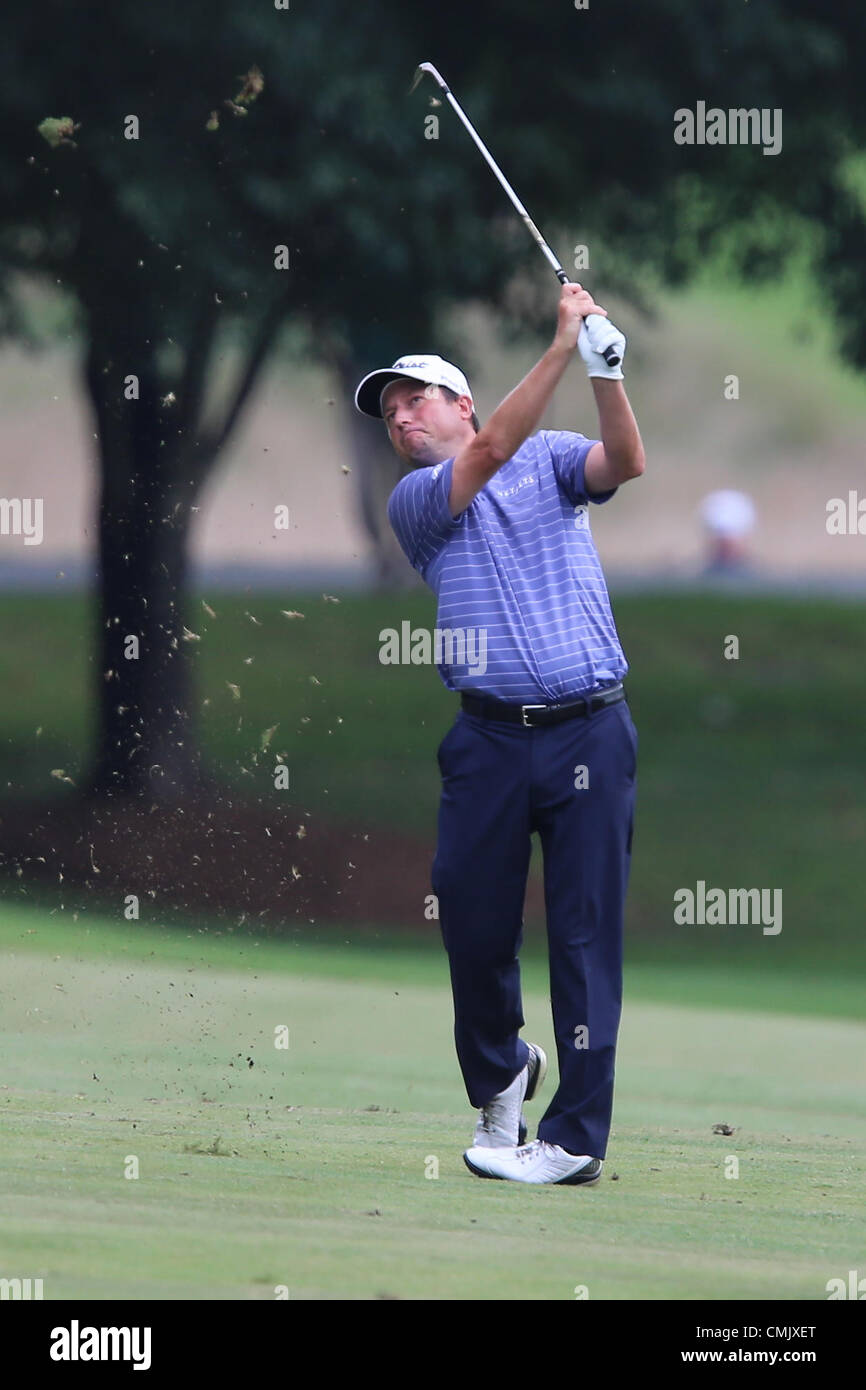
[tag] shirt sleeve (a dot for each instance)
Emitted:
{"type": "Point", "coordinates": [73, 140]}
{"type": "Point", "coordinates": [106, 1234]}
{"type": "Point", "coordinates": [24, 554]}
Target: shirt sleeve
{"type": "Point", "coordinates": [419, 513]}
{"type": "Point", "coordinates": [568, 452]}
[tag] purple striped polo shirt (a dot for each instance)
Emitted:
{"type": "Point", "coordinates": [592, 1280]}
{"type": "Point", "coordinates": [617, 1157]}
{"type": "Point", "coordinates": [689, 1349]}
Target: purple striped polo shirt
{"type": "Point", "coordinates": [523, 609]}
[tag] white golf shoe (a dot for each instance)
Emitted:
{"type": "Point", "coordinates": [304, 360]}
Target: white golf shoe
{"type": "Point", "coordinates": [536, 1162]}
{"type": "Point", "coordinates": [500, 1123]}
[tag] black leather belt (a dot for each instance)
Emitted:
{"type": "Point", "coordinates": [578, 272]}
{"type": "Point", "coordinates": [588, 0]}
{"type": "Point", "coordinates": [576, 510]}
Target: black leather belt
{"type": "Point", "coordinates": [534, 716]}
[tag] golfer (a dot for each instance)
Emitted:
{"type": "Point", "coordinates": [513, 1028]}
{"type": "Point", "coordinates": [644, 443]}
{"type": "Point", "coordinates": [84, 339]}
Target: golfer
{"type": "Point", "coordinates": [495, 518]}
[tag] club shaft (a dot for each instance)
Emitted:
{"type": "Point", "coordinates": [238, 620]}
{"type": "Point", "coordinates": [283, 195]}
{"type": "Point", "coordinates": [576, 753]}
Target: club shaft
{"type": "Point", "coordinates": [528, 222]}
{"type": "Point", "coordinates": [609, 353]}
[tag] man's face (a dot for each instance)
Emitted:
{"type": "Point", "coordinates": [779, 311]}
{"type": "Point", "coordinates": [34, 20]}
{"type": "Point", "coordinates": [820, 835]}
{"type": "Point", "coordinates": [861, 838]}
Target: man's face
{"type": "Point", "coordinates": [423, 425]}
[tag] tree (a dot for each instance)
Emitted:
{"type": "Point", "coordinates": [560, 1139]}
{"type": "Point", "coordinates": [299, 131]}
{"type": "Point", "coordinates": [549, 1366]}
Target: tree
{"type": "Point", "coordinates": [188, 203]}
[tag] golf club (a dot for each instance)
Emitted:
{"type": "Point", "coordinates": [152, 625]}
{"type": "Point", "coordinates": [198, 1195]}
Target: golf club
{"type": "Point", "coordinates": [596, 325]}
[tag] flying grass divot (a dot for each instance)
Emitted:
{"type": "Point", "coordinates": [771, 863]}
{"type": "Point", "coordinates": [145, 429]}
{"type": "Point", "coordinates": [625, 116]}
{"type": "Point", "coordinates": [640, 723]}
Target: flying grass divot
{"type": "Point", "coordinates": [58, 130]}
{"type": "Point", "coordinates": [253, 84]}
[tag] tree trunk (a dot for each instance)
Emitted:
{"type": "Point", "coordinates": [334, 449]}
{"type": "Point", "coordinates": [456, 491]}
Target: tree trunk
{"type": "Point", "coordinates": [146, 740]}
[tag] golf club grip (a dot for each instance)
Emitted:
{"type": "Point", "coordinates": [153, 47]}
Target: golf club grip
{"type": "Point", "coordinates": [610, 355]}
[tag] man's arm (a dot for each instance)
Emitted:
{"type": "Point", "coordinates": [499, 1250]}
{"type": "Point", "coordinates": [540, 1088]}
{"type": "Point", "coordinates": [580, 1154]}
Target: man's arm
{"type": "Point", "coordinates": [620, 455]}
{"type": "Point", "coordinates": [513, 421]}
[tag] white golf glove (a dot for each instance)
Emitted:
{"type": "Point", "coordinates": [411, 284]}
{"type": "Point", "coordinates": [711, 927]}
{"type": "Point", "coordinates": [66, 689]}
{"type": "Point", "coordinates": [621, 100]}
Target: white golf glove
{"type": "Point", "coordinates": [596, 334]}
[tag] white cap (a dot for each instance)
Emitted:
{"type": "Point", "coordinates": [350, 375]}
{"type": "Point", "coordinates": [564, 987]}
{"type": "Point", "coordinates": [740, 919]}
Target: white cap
{"type": "Point", "coordinates": [418, 367]}
{"type": "Point", "coordinates": [728, 513]}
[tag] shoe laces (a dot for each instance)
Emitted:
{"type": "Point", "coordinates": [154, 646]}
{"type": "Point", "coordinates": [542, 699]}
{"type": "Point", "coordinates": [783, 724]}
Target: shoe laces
{"type": "Point", "coordinates": [531, 1150]}
{"type": "Point", "coordinates": [536, 1147]}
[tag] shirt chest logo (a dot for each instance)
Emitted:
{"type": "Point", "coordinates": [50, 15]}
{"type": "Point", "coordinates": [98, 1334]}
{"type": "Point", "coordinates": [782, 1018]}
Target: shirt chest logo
{"type": "Point", "coordinates": [581, 516]}
{"type": "Point", "coordinates": [518, 486]}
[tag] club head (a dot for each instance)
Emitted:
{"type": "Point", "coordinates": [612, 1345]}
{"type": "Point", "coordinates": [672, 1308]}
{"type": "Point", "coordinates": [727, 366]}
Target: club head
{"type": "Point", "coordinates": [420, 71]}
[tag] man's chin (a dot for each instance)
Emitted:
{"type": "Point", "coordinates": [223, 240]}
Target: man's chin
{"type": "Point", "coordinates": [417, 457]}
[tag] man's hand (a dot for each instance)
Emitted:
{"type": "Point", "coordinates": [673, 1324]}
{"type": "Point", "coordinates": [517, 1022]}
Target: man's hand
{"type": "Point", "coordinates": [604, 335]}
{"type": "Point", "coordinates": [574, 304]}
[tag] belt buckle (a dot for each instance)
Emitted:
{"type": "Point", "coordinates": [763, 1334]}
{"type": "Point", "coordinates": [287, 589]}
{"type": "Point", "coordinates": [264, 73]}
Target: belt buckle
{"type": "Point", "coordinates": [523, 710]}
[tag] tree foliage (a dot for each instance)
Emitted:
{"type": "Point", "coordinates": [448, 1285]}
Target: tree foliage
{"type": "Point", "coordinates": [167, 241]}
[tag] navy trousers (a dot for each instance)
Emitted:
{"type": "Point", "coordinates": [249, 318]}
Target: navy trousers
{"type": "Point", "coordinates": [573, 783]}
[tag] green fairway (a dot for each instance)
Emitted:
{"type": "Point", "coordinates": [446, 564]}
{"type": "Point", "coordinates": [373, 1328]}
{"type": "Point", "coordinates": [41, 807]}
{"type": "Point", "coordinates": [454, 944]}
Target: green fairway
{"type": "Point", "coordinates": [307, 1168]}
{"type": "Point", "coordinates": [749, 773]}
